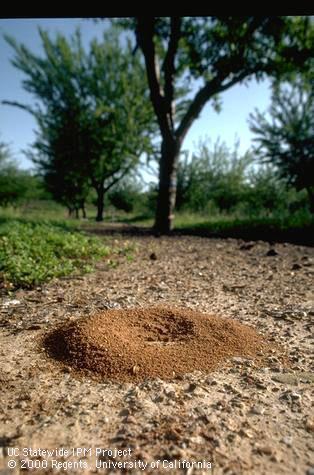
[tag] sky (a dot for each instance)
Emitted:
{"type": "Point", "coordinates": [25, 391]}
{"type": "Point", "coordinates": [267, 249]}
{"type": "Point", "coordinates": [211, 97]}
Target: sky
{"type": "Point", "coordinates": [17, 127]}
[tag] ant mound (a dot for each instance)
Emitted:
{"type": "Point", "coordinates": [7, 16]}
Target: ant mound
{"type": "Point", "coordinates": [138, 343]}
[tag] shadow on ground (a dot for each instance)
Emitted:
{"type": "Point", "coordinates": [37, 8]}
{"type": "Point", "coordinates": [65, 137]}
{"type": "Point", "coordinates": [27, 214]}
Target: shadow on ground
{"type": "Point", "coordinates": [300, 236]}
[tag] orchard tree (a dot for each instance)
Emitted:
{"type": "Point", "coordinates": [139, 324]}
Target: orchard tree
{"type": "Point", "coordinates": [214, 176]}
{"type": "Point", "coordinates": [60, 159]}
{"type": "Point", "coordinates": [286, 138]}
{"type": "Point", "coordinates": [93, 112]}
{"type": "Point", "coordinates": [16, 185]}
{"type": "Point", "coordinates": [120, 98]}
{"type": "Point", "coordinates": [216, 52]}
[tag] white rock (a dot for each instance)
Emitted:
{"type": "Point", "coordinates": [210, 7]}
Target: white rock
{"type": "Point", "coordinates": [287, 440]}
{"type": "Point", "coordinates": [9, 303]}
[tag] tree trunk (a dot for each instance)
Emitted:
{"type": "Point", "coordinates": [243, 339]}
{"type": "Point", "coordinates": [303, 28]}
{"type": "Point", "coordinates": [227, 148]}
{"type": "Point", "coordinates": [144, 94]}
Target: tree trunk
{"type": "Point", "coordinates": [170, 150]}
{"type": "Point", "coordinates": [83, 211]}
{"type": "Point", "coordinates": [310, 191]}
{"type": "Point", "coordinates": [77, 214]}
{"type": "Point", "coordinates": [100, 204]}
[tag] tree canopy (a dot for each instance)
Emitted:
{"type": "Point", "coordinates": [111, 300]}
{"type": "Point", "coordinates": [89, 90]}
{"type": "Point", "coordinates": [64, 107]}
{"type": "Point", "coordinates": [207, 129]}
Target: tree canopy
{"type": "Point", "coordinates": [285, 136]}
{"type": "Point", "coordinates": [94, 121]}
{"type": "Point", "coordinates": [215, 53]}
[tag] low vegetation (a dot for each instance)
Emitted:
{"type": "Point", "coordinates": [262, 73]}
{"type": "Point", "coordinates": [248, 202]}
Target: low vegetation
{"type": "Point", "coordinates": [32, 252]}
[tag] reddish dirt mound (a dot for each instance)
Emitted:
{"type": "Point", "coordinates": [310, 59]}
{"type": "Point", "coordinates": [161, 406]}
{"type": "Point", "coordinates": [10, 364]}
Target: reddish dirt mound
{"type": "Point", "coordinates": [133, 344]}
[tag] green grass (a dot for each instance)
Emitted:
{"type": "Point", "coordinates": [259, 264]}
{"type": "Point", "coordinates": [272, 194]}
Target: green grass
{"type": "Point", "coordinates": [223, 222]}
{"type": "Point", "coordinates": [35, 211]}
{"type": "Point", "coordinates": [32, 253]}
{"type": "Point", "coordinates": [137, 219]}
{"type": "Point", "coordinates": [297, 227]}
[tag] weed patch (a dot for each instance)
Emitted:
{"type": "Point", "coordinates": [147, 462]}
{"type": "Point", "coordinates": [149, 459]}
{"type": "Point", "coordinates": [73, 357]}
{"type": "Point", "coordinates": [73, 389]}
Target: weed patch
{"type": "Point", "coordinates": [32, 253]}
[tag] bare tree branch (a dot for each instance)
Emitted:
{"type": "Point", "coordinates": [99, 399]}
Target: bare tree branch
{"type": "Point", "coordinates": [215, 86]}
{"type": "Point", "coordinates": [145, 35]}
{"type": "Point", "coordinates": [169, 63]}
{"type": "Point", "coordinates": [117, 178]}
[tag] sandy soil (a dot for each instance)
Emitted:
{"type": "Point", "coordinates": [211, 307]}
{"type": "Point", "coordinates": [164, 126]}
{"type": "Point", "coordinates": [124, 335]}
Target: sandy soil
{"type": "Point", "coordinates": [242, 417]}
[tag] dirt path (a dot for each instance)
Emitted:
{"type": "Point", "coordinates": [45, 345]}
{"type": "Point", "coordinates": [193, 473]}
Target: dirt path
{"type": "Point", "coordinates": [242, 418]}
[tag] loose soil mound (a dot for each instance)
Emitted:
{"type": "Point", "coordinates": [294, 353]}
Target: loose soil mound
{"type": "Point", "coordinates": [133, 344]}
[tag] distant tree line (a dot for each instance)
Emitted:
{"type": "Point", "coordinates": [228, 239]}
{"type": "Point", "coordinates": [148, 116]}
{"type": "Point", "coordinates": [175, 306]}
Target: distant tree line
{"type": "Point", "coordinates": [99, 111]}
{"type": "Point", "coordinates": [217, 180]}
{"type": "Point", "coordinates": [17, 186]}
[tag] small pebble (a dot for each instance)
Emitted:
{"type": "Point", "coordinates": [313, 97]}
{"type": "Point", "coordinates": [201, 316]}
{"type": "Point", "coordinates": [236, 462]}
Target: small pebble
{"type": "Point", "coordinates": [287, 440]}
{"type": "Point", "coordinates": [192, 387]}
{"type": "Point", "coordinates": [309, 425]}
{"type": "Point", "coordinates": [272, 252]}
{"type": "Point", "coordinates": [296, 396]}
{"type": "Point", "coordinates": [258, 410]}
{"type": "Point", "coordinates": [296, 266]}
{"type": "Point", "coordinates": [265, 449]}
